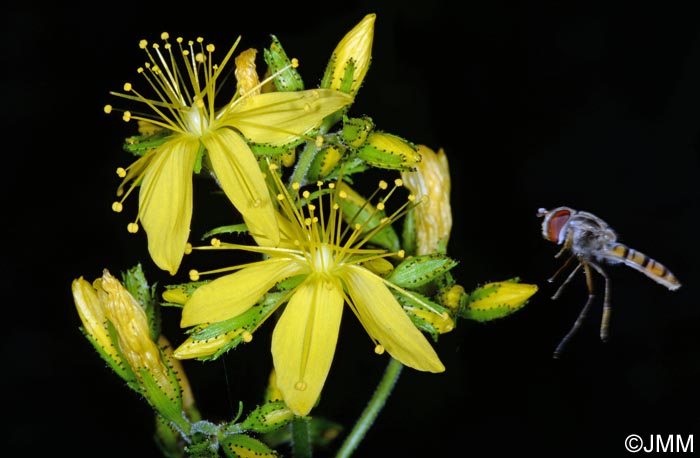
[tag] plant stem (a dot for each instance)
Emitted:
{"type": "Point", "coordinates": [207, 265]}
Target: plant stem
{"type": "Point", "coordinates": [301, 438]}
{"type": "Point", "coordinates": [375, 405]}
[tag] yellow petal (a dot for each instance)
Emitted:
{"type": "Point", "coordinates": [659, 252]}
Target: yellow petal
{"type": "Point", "coordinates": [303, 342]}
{"type": "Point", "coordinates": [165, 202]}
{"type": "Point", "coordinates": [385, 320]}
{"type": "Point", "coordinates": [281, 117]}
{"type": "Point", "coordinates": [92, 314]}
{"type": "Point", "coordinates": [242, 181]}
{"type": "Point", "coordinates": [233, 294]}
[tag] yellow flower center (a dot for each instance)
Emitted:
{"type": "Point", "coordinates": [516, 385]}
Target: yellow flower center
{"type": "Point", "coordinates": [322, 259]}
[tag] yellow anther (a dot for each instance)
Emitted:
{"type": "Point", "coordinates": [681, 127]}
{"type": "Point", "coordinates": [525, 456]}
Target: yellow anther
{"type": "Point", "coordinates": [200, 39]}
{"type": "Point", "coordinates": [306, 194]}
{"type": "Point", "coordinates": [312, 207]}
{"type": "Point", "coordinates": [139, 70]}
{"type": "Point", "coordinates": [411, 197]}
{"type": "Point", "coordinates": [280, 197]}
{"type": "Point", "coordinates": [300, 385]}
{"type": "Point", "coordinates": [383, 184]}
{"type": "Point", "coordinates": [215, 242]}
{"type": "Point", "coordinates": [121, 172]}
{"type": "Point", "coordinates": [127, 87]}
{"type": "Point", "coordinates": [246, 336]}
{"type": "Point", "coordinates": [379, 349]}
{"type": "Point", "coordinates": [179, 39]}
{"type": "Point", "coordinates": [380, 206]}
{"type": "Point", "coordinates": [401, 254]}
{"type": "Point", "coordinates": [210, 47]}
{"type": "Point", "coordinates": [296, 186]}
{"type": "Point", "coordinates": [319, 140]}
{"type": "Point", "coordinates": [155, 46]}
{"type": "Point", "coordinates": [164, 36]}
{"type": "Point", "coordinates": [307, 221]}
{"type": "Point", "coordinates": [117, 207]}
{"type": "Point", "coordinates": [331, 185]}
{"type": "Point", "coordinates": [132, 228]}
{"type": "Point", "coordinates": [126, 116]}
{"type": "Point", "coordinates": [199, 57]}
{"type": "Point", "coordinates": [319, 184]}
{"type": "Point", "coordinates": [358, 226]}
{"type": "Point", "coordinates": [143, 44]}
{"type": "Point", "coordinates": [194, 275]}
{"type": "Point", "coordinates": [273, 167]}
{"type": "Point", "coordinates": [342, 194]}
{"type": "Point", "coordinates": [295, 62]}
{"type": "Point", "coordinates": [398, 182]}
{"type": "Point", "coordinates": [108, 109]}
{"type": "Point", "coordinates": [188, 248]}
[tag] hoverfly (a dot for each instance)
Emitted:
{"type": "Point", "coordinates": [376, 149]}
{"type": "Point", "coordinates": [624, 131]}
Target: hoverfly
{"type": "Point", "coordinates": [592, 242]}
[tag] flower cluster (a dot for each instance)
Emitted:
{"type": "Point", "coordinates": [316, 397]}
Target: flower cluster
{"type": "Point", "coordinates": [285, 157]}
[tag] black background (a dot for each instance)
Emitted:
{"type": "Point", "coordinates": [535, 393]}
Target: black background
{"type": "Point", "coordinates": [536, 104]}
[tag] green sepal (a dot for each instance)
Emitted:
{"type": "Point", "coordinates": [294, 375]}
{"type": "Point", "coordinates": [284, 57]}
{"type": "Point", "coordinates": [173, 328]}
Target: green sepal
{"type": "Point", "coordinates": [247, 321]}
{"type": "Point", "coordinates": [119, 367]}
{"type": "Point", "coordinates": [182, 291]}
{"type": "Point", "coordinates": [267, 417]}
{"type": "Point", "coordinates": [135, 282]}
{"type": "Point", "coordinates": [355, 131]}
{"type": "Point", "coordinates": [244, 446]}
{"type": "Point", "coordinates": [388, 151]}
{"type": "Point", "coordinates": [441, 319]}
{"type": "Point", "coordinates": [291, 282]}
{"type": "Point", "coordinates": [348, 77]}
{"type": "Point", "coordinates": [495, 300]}
{"type": "Point", "coordinates": [138, 145]}
{"type": "Point", "coordinates": [206, 448]}
{"type": "Point", "coordinates": [325, 161]}
{"type": "Point", "coordinates": [408, 235]}
{"type": "Point", "coordinates": [168, 439]}
{"type": "Point", "coordinates": [420, 270]}
{"type": "Point", "coordinates": [241, 228]}
{"type": "Point", "coordinates": [356, 210]}
{"type": "Point", "coordinates": [170, 409]}
{"type": "Point", "coordinates": [266, 149]}
{"type": "Point", "coordinates": [276, 59]}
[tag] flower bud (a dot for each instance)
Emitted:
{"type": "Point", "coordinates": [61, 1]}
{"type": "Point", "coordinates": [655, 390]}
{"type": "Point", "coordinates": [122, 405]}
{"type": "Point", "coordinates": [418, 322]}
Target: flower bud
{"type": "Point", "coordinates": [117, 325]}
{"type": "Point", "coordinates": [287, 77]}
{"type": "Point", "coordinates": [388, 151]}
{"type": "Point", "coordinates": [350, 60]}
{"type": "Point", "coordinates": [420, 270]}
{"type": "Point", "coordinates": [430, 183]}
{"type": "Point", "coordinates": [244, 446]}
{"type": "Point", "coordinates": [248, 82]}
{"type": "Point", "coordinates": [497, 300]}
{"type": "Point", "coordinates": [268, 417]}
{"type": "Point", "coordinates": [357, 210]}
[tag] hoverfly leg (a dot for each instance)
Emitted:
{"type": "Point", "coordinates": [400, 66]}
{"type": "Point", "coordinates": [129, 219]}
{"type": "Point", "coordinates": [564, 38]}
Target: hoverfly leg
{"type": "Point", "coordinates": [560, 269]}
{"type": "Point", "coordinates": [584, 311]}
{"type": "Point", "coordinates": [605, 321]}
{"type": "Point", "coordinates": [568, 279]}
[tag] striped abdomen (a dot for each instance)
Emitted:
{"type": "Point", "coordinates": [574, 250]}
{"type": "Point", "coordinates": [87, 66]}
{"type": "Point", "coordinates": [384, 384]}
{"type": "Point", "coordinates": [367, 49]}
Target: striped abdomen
{"type": "Point", "coordinates": [643, 263]}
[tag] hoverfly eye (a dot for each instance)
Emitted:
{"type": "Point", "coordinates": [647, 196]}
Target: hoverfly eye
{"type": "Point", "coordinates": [556, 222]}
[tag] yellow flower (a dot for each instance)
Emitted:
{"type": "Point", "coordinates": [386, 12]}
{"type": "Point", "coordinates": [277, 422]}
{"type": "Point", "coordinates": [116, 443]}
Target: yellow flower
{"type": "Point", "coordinates": [355, 49]}
{"type": "Point", "coordinates": [328, 257]}
{"type": "Point", "coordinates": [184, 79]}
{"type": "Point", "coordinates": [430, 182]}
